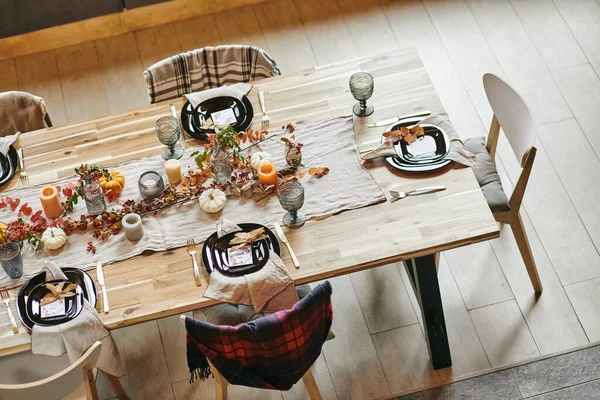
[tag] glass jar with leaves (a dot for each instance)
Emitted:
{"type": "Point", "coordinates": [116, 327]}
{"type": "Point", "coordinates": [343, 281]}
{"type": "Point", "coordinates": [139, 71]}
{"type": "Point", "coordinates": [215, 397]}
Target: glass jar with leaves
{"type": "Point", "coordinates": [293, 150]}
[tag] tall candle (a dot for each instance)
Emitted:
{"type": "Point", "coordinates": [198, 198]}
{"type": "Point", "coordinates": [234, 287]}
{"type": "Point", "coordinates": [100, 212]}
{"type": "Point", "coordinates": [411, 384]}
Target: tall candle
{"type": "Point", "coordinates": [267, 174]}
{"type": "Point", "coordinates": [50, 202]}
{"type": "Point", "coordinates": [173, 169]}
{"type": "Point", "coordinates": [132, 225]}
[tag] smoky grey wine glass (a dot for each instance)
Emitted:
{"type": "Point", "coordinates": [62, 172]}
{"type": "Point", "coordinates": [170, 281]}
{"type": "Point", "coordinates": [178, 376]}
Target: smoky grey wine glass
{"type": "Point", "coordinates": [361, 87]}
{"type": "Point", "coordinates": [10, 258]}
{"type": "Point", "coordinates": [168, 131]}
{"type": "Point", "coordinates": [291, 198]}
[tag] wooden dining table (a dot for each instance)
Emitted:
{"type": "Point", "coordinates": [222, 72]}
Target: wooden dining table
{"type": "Point", "coordinates": [413, 230]}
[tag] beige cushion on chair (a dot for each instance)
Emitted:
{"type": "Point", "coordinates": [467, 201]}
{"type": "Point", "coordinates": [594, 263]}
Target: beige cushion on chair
{"type": "Point", "coordinates": [22, 112]}
{"type": "Point", "coordinates": [487, 175]}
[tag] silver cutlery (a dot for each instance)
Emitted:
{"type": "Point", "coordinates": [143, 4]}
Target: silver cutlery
{"type": "Point", "coordinates": [284, 239]}
{"type": "Point", "coordinates": [191, 249]}
{"type": "Point", "coordinates": [181, 137]}
{"type": "Point", "coordinates": [389, 121]}
{"type": "Point", "coordinates": [265, 119]}
{"type": "Point", "coordinates": [100, 276]}
{"type": "Point", "coordinates": [429, 189]}
{"type": "Point", "coordinates": [23, 173]}
{"type": "Point", "coordinates": [6, 300]}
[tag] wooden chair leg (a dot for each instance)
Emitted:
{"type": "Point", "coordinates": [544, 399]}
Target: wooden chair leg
{"type": "Point", "coordinates": [89, 382]}
{"type": "Point", "coordinates": [311, 386]}
{"type": "Point", "coordinates": [516, 224]}
{"type": "Point", "coordinates": [436, 257]}
{"type": "Point", "coordinates": [220, 383]}
{"type": "Point", "coordinates": [115, 385]}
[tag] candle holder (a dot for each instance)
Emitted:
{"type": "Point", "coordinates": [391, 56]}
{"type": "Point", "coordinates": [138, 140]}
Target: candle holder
{"type": "Point", "coordinates": [151, 185]}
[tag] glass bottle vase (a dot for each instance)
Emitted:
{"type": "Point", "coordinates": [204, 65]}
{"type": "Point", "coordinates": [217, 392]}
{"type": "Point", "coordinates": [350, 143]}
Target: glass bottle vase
{"type": "Point", "coordinates": [93, 196]}
{"type": "Point", "coordinates": [221, 165]}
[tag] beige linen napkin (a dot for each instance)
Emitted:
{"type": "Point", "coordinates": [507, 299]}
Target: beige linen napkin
{"type": "Point", "coordinates": [6, 141]}
{"type": "Point", "coordinates": [76, 336]}
{"type": "Point", "coordinates": [270, 289]}
{"type": "Point", "coordinates": [238, 90]}
{"type": "Point", "coordinates": [457, 152]}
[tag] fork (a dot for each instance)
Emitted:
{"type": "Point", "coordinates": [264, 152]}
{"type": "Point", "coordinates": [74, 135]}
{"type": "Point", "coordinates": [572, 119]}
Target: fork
{"type": "Point", "coordinates": [6, 300]}
{"type": "Point", "coordinates": [265, 119]}
{"type": "Point", "coordinates": [191, 249]}
{"type": "Point", "coordinates": [23, 173]}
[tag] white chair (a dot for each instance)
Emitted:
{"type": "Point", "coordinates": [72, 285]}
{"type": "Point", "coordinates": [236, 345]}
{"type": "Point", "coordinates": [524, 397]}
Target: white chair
{"type": "Point", "coordinates": [78, 381]}
{"type": "Point", "coordinates": [513, 116]}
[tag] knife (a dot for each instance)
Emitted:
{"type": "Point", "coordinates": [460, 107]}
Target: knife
{"type": "Point", "coordinates": [100, 276]}
{"type": "Point", "coordinates": [284, 239]}
{"type": "Point", "coordinates": [181, 137]}
{"type": "Point", "coordinates": [394, 119]}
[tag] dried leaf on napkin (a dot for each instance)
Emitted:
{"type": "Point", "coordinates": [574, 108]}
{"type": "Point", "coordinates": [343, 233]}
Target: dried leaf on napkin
{"type": "Point", "coordinates": [57, 292]}
{"type": "Point", "coordinates": [318, 172]}
{"type": "Point", "coordinates": [243, 238]}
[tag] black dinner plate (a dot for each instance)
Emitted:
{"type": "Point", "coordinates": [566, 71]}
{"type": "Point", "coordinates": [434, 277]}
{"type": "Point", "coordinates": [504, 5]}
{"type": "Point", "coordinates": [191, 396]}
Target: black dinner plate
{"type": "Point", "coordinates": [215, 256]}
{"type": "Point", "coordinates": [8, 165]}
{"type": "Point", "coordinates": [73, 274]}
{"type": "Point", "coordinates": [192, 118]}
{"type": "Point", "coordinates": [426, 154]}
{"type": "Point", "coordinates": [72, 305]}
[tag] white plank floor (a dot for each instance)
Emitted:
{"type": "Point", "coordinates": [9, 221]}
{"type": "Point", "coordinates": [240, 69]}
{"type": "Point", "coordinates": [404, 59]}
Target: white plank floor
{"type": "Point", "coordinates": [549, 50]}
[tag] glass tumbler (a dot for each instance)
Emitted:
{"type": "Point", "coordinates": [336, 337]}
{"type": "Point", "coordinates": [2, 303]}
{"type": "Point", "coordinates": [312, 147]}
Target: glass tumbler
{"type": "Point", "coordinates": [361, 87]}
{"type": "Point", "coordinates": [168, 131]}
{"type": "Point", "coordinates": [291, 198]}
{"type": "Point", "coordinates": [10, 258]}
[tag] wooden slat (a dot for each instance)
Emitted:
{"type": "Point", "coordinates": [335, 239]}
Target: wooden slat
{"type": "Point", "coordinates": [414, 227]}
{"type": "Point", "coordinates": [81, 80]}
{"type": "Point", "coordinates": [38, 74]}
{"type": "Point", "coordinates": [198, 32]}
{"type": "Point", "coordinates": [8, 76]}
{"type": "Point", "coordinates": [155, 44]}
{"type": "Point", "coordinates": [240, 26]}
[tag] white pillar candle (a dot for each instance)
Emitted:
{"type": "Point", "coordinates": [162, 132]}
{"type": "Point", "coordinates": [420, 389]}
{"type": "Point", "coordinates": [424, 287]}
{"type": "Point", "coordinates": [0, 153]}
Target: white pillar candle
{"type": "Point", "coordinates": [132, 225]}
{"type": "Point", "coordinates": [173, 169]}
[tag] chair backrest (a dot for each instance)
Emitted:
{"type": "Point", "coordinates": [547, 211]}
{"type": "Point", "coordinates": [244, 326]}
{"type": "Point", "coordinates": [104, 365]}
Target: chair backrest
{"type": "Point", "coordinates": [512, 113]}
{"type": "Point", "coordinates": [57, 386]}
{"type": "Point", "coordinates": [207, 68]}
{"type": "Point", "coordinates": [22, 112]}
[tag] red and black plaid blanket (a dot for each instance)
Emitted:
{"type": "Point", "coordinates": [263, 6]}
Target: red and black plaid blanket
{"type": "Point", "coordinates": [272, 352]}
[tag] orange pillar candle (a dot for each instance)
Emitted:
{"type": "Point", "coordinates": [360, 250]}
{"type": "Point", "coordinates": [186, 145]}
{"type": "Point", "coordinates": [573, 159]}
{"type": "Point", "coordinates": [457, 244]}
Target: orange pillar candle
{"type": "Point", "coordinates": [267, 174]}
{"type": "Point", "coordinates": [51, 202]}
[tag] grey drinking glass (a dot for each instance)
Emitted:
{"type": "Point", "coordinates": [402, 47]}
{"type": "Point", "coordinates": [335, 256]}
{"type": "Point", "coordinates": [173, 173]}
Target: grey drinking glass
{"type": "Point", "coordinates": [361, 87]}
{"type": "Point", "coordinates": [10, 258]}
{"type": "Point", "coordinates": [291, 198]}
{"type": "Point", "coordinates": [168, 131]}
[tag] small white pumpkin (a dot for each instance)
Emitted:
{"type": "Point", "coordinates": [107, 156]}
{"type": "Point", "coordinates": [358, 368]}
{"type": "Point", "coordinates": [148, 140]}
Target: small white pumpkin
{"type": "Point", "coordinates": [259, 158]}
{"type": "Point", "coordinates": [212, 200]}
{"type": "Point", "coordinates": [54, 238]}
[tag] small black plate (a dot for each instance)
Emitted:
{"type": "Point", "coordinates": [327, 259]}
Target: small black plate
{"type": "Point", "coordinates": [73, 274]}
{"type": "Point", "coordinates": [191, 118]}
{"type": "Point", "coordinates": [72, 305]}
{"type": "Point", "coordinates": [8, 165]}
{"type": "Point", "coordinates": [214, 252]}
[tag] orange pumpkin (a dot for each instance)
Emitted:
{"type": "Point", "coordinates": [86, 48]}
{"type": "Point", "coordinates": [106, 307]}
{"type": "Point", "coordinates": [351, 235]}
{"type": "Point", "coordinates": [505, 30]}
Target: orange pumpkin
{"type": "Point", "coordinates": [114, 182]}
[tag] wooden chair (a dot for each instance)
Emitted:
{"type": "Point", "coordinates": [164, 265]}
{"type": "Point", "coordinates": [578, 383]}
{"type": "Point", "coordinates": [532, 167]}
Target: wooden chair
{"type": "Point", "coordinates": [221, 383]}
{"type": "Point", "coordinates": [513, 116]}
{"type": "Point", "coordinates": [66, 384]}
{"type": "Point", "coordinates": [22, 112]}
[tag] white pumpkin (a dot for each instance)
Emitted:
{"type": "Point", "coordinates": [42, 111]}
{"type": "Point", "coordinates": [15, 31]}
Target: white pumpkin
{"type": "Point", "coordinates": [259, 158]}
{"type": "Point", "coordinates": [212, 200]}
{"type": "Point", "coordinates": [54, 238]}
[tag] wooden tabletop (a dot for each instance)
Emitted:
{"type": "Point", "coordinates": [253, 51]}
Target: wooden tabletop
{"type": "Point", "coordinates": [157, 285]}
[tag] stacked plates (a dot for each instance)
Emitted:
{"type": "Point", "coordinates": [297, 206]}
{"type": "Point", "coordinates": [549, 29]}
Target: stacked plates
{"type": "Point", "coordinates": [425, 154]}
{"type": "Point", "coordinates": [216, 254]}
{"type": "Point", "coordinates": [238, 112]}
{"type": "Point", "coordinates": [8, 165]}
{"type": "Point", "coordinates": [30, 295]}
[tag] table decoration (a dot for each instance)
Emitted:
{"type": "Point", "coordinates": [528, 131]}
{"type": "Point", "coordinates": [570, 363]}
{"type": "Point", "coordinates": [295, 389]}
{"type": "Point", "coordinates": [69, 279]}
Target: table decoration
{"type": "Point", "coordinates": [93, 196]}
{"type": "Point", "coordinates": [212, 200]}
{"type": "Point", "coordinates": [259, 158]}
{"type": "Point", "coordinates": [293, 151]}
{"type": "Point", "coordinates": [329, 151]}
{"type": "Point", "coordinates": [54, 238]}
{"type": "Point", "coordinates": [51, 202]}
{"type": "Point", "coordinates": [10, 258]}
{"type": "Point", "coordinates": [132, 226]}
{"type": "Point", "coordinates": [173, 169]}
{"type": "Point", "coordinates": [151, 185]}
{"type": "Point", "coordinates": [114, 181]}
{"type": "Point", "coordinates": [267, 174]}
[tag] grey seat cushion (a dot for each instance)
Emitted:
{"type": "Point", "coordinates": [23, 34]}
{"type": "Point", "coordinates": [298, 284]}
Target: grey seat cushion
{"type": "Point", "coordinates": [235, 314]}
{"type": "Point", "coordinates": [487, 175]}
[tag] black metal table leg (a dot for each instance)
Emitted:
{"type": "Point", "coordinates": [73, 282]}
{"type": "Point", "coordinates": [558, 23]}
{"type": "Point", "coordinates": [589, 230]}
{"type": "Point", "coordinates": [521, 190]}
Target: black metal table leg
{"type": "Point", "coordinates": [423, 276]}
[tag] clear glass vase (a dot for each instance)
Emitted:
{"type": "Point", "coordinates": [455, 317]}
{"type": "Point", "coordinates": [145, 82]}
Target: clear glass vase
{"type": "Point", "coordinates": [220, 164]}
{"type": "Point", "coordinates": [93, 196]}
{"type": "Point", "coordinates": [293, 156]}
